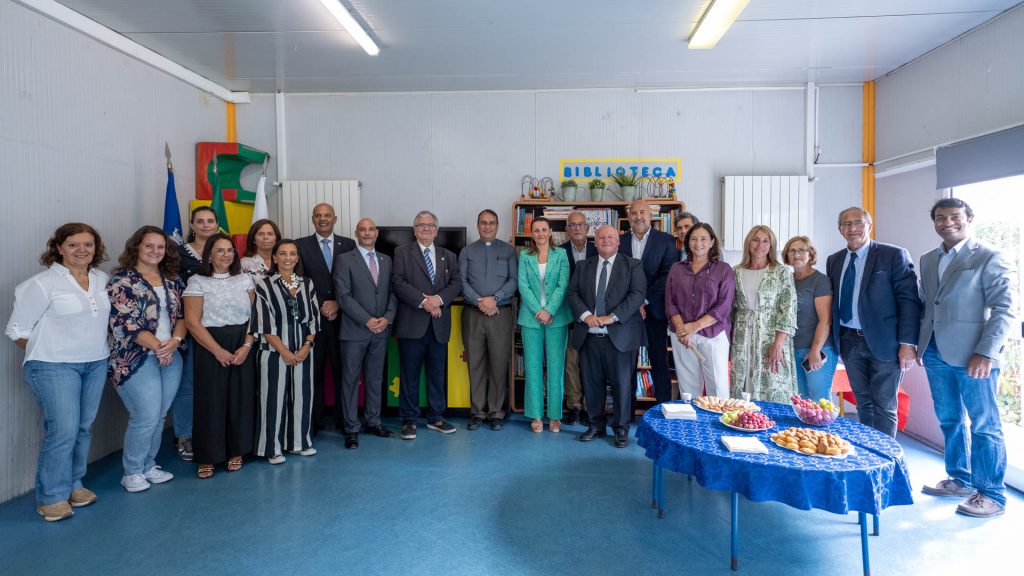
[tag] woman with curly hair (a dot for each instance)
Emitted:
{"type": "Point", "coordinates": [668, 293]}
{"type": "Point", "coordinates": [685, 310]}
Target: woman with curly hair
{"type": "Point", "coordinates": [147, 328]}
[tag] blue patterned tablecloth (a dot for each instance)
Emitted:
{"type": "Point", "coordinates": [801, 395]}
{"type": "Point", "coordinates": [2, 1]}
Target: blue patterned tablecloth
{"type": "Point", "coordinates": [873, 478]}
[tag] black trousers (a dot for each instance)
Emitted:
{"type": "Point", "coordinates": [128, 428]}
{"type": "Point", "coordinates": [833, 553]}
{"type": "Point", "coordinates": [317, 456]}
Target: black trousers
{"type": "Point", "coordinates": [328, 347]}
{"type": "Point", "coordinates": [224, 405]}
{"type": "Point", "coordinates": [875, 383]}
{"type": "Point", "coordinates": [605, 365]}
{"type": "Point", "coordinates": [657, 351]}
{"type": "Point", "coordinates": [415, 354]}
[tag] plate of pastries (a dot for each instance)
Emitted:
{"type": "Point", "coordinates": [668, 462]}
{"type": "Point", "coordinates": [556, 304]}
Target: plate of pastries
{"type": "Point", "coordinates": [812, 442]}
{"type": "Point", "coordinates": [723, 405]}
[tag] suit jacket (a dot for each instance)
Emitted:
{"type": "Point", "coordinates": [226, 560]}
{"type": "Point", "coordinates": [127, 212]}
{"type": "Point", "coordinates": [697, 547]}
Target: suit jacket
{"type": "Point", "coordinates": [360, 299]}
{"type": "Point", "coordinates": [555, 286]}
{"type": "Point", "coordinates": [624, 294]}
{"type": "Point", "coordinates": [591, 250]}
{"type": "Point", "coordinates": [314, 266]}
{"type": "Point", "coordinates": [972, 309]}
{"type": "Point", "coordinates": [410, 281]}
{"type": "Point", "coordinates": [659, 255]}
{"type": "Point", "coordinates": [889, 303]}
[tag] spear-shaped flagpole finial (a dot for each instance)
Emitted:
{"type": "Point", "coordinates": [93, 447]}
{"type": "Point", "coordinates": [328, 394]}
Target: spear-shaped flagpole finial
{"type": "Point", "coordinates": [266, 162]}
{"type": "Point", "coordinates": [214, 163]}
{"type": "Point", "coordinates": [167, 154]}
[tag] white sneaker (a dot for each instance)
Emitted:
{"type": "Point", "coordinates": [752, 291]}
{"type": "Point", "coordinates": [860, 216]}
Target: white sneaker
{"type": "Point", "coordinates": [306, 452]}
{"type": "Point", "coordinates": [156, 475]}
{"type": "Point", "coordinates": [276, 459]}
{"type": "Point", "coordinates": [134, 482]}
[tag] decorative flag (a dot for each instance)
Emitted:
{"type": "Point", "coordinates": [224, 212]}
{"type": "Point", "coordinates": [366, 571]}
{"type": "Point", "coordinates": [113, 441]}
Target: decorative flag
{"type": "Point", "coordinates": [259, 208]}
{"type": "Point", "coordinates": [172, 216]}
{"type": "Point", "coordinates": [217, 204]}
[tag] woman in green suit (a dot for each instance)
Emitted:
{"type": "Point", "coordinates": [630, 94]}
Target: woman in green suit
{"type": "Point", "coordinates": [544, 317]}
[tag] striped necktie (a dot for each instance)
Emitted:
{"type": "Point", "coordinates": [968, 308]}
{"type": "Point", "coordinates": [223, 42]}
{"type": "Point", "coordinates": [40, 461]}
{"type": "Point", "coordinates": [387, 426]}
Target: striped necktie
{"type": "Point", "coordinates": [374, 272]}
{"type": "Point", "coordinates": [430, 265]}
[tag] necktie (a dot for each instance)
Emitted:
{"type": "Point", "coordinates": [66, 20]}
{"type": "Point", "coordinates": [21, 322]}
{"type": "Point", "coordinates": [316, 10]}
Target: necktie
{"type": "Point", "coordinates": [846, 290]}
{"type": "Point", "coordinates": [430, 265]}
{"type": "Point", "coordinates": [325, 246]}
{"type": "Point", "coordinates": [602, 289]}
{"type": "Point", "coordinates": [374, 272]}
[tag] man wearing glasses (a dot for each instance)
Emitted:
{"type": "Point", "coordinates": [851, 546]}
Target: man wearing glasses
{"type": "Point", "coordinates": [579, 248]}
{"type": "Point", "coordinates": [875, 318]}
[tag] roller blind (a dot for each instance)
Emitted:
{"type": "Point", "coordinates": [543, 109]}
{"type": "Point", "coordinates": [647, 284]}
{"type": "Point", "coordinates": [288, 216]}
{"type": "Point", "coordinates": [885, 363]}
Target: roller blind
{"type": "Point", "coordinates": [989, 157]}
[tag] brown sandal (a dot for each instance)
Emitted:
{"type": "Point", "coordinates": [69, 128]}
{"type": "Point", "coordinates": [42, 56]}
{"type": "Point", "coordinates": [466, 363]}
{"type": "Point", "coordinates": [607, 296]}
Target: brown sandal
{"type": "Point", "coordinates": [537, 425]}
{"type": "Point", "coordinates": [234, 464]}
{"type": "Point", "coordinates": [205, 471]}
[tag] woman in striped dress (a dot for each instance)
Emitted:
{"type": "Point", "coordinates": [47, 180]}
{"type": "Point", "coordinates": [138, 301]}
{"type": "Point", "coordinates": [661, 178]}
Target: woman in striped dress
{"type": "Point", "coordinates": [286, 313]}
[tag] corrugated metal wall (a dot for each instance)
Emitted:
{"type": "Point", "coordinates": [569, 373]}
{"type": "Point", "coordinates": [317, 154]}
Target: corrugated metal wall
{"type": "Point", "coordinates": [82, 131]}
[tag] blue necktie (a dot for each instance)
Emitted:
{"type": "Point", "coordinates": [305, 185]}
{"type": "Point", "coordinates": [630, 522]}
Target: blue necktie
{"type": "Point", "coordinates": [430, 265]}
{"type": "Point", "coordinates": [602, 290]}
{"type": "Point", "coordinates": [325, 246]}
{"type": "Point", "coordinates": [846, 290]}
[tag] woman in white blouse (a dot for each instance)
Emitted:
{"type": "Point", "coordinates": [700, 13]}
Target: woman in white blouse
{"type": "Point", "coordinates": [60, 319]}
{"type": "Point", "coordinates": [218, 303]}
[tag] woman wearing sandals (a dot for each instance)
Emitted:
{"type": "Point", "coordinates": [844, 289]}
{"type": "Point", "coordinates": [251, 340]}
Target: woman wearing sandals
{"type": "Point", "coordinates": [287, 314]}
{"type": "Point", "coordinates": [218, 303]}
{"type": "Point", "coordinates": [544, 317]}
{"type": "Point", "coordinates": [147, 327]}
{"type": "Point", "coordinates": [259, 245]}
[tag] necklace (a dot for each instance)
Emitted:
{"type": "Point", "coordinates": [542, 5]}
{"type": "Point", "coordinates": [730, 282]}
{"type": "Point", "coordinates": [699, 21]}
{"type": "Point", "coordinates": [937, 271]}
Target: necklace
{"type": "Point", "coordinates": [295, 282]}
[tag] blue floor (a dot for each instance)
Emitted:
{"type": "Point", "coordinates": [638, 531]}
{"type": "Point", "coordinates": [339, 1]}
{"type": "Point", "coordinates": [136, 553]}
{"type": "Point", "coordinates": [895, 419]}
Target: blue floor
{"type": "Point", "coordinates": [482, 502]}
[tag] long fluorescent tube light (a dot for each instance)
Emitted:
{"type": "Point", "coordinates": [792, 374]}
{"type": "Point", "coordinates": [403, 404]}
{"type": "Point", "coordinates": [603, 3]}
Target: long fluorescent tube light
{"type": "Point", "coordinates": [716, 20]}
{"type": "Point", "coordinates": [345, 18]}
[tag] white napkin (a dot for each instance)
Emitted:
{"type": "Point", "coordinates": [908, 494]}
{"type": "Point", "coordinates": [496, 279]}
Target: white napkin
{"type": "Point", "coordinates": [678, 412]}
{"type": "Point", "coordinates": [747, 444]}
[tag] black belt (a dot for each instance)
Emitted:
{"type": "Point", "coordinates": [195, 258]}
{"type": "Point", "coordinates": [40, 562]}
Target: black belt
{"type": "Point", "coordinates": [597, 335]}
{"type": "Point", "coordinates": [843, 330]}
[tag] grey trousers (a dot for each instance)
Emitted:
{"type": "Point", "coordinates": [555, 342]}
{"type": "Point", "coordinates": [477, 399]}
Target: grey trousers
{"type": "Point", "coordinates": [488, 344]}
{"type": "Point", "coordinates": [573, 384]}
{"type": "Point", "coordinates": [365, 357]}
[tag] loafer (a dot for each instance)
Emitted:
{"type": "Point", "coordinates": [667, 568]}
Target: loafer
{"type": "Point", "coordinates": [351, 441]}
{"type": "Point", "coordinates": [408, 431]}
{"type": "Point", "coordinates": [474, 423]}
{"type": "Point", "coordinates": [81, 497]}
{"type": "Point", "coordinates": [380, 432]}
{"type": "Point", "coordinates": [56, 511]}
{"type": "Point", "coordinates": [621, 438]}
{"type": "Point", "coordinates": [497, 423]}
{"type": "Point", "coordinates": [572, 418]}
{"type": "Point", "coordinates": [980, 506]}
{"type": "Point", "coordinates": [441, 426]}
{"type": "Point", "coordinates": [593, 432]}
{"type": "Point", "coordinates": [949, 488]}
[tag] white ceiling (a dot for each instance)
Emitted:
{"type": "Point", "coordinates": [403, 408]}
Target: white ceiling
{"type": "Point", "coordinates": [296, 46]}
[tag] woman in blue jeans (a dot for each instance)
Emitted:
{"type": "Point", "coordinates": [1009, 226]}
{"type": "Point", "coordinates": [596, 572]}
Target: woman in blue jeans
{"type": "Point", "coordinates": [147, 327]}
{"type": "Point", "coordinates": [60, 319]}
{"type": "Point", "coordinates": [816, 357]}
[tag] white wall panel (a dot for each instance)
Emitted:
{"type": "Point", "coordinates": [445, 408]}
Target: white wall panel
{"type": "Point", "coordinates": [82, 131]}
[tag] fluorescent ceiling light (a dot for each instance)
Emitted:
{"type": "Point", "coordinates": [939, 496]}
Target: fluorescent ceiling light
{"type": "Point", "coordinates": [345, 18]}
{"type": "Point", "coordinates": [716, 20]}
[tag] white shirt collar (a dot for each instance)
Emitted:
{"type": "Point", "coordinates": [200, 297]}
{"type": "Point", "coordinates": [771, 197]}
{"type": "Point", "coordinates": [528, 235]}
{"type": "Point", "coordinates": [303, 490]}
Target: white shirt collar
{"type": "Point", "coordinates": [364, 251]}
{"type": "Point", "coordinates": [955, 249]}
{"type": "Point", "coordinates": [320, 239]}
{"type": "Point", "coordinates": [611, 259]}
{"type": "Point", "coordinates": [422, 247]}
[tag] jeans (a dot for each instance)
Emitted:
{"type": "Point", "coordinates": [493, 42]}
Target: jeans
{"type": "Point", "coordinates": [147, 395]}
{"type": "Point", "coordinates": [978, 458]}
{"type": "Point", "coordinates": [181, 414]}
{"type": "Point", "coordinates": [817, 384]}
{"type": "Point", "coordinates": [69, 395]}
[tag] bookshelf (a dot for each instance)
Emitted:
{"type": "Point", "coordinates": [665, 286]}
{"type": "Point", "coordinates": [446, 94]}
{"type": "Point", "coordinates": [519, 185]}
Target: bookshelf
{"type": "Point", "coordinates": [663, 216]}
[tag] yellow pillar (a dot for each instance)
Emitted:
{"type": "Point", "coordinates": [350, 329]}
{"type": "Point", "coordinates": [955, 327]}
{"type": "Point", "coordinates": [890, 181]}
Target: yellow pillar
{"type": "Point", "coordinates": [231, 129]}
{"type": "Point", "coordinates": [868, 152]}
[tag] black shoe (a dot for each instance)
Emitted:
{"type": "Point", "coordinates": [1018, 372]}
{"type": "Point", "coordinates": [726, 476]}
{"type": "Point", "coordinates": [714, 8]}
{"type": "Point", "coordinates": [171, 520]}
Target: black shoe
{"type": "Point", "coordinates": [572, 418]}
{"type": "Point", "coordinates": [408, 431]}
{"type": "Point", "coordinates": [441, 426]}
{"type": "Point", "coordinates": [352, 441]}
{"type": "Point", "coordinates": [474, 423]}
{"type": "Point", "coordinates": [593, 432]}
{"type": "Point", "coordinates": [379, 431]}
{"type": "Point", "coordinates": [621, 437]}
{"type": "Point", "coordinates": [497, 423]}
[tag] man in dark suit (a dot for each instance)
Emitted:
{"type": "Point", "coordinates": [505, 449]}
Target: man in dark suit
{"type": "Point", "coordinates": [876, 316]}
{"type": "Point", "coordinates": [656, 251]}
{"type": "Point", "coordinates": [362, 285]}
{"type": "Point", "coordinates": [605, 294]}
{"type": "Point", "coordinates": [426, 281]}
{"type": "Point", "coordinates": [578, 248]}
{"type": "Point", "coordinates": [318, 252]}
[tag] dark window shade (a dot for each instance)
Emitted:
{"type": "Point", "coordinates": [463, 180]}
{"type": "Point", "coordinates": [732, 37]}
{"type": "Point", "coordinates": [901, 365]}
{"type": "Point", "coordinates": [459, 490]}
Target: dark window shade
{"type": "Point", "coordinates": [989, 157]}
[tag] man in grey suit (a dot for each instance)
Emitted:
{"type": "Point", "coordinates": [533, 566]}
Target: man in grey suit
{"type": "Point", "coordinates": [490, 277]}
{"type": "Point", "coordinates": [362, 285]}
{"type": "Point", "coordinates": [970, 304]}
{"type": "Point", "coordinates": [605, 294]}
{"type": "Point", "coordinates": [578, 248]}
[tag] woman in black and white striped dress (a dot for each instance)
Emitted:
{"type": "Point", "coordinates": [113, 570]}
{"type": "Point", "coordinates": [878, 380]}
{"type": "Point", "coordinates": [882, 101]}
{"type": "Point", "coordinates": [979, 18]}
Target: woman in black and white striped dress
{"type": "Point", "coordinates": [286, 313]}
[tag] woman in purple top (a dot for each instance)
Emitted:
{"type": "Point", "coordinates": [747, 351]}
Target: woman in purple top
{"type": "Point", "coordinates": [698, 301]}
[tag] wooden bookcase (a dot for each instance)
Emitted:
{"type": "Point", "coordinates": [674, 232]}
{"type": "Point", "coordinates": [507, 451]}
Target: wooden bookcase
{"type": "Point", "coordinates": [523, 213]}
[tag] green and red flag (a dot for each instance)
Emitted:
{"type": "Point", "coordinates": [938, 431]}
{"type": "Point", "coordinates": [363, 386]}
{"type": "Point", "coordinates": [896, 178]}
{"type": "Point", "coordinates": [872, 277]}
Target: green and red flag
{"type": "Point", "coordinates": [217, 202]}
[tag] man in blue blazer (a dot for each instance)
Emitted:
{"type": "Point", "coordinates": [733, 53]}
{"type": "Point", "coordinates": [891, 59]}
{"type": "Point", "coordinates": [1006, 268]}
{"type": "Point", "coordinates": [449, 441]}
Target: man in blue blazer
{"type": "Point", "coordinates": [876, 315]}
{"type": "Point", "coordinates": [970, 307]}
{"type": "Point", "coordinates": [656, 251]}
{"type": "Point", "coordinates": [578, 248]}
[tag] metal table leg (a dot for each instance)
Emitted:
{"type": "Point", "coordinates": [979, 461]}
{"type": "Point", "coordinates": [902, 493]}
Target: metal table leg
{"type": "Point", "coordinates": [654, 485]}
{"type": "Point", "coordinates": [862, 518]}
{"type": "Point", "coordinates": [735, 564]}
{"type": "Point", "coordinates": [874, 518]}
{"type": "Point", "coordinates": [661, 492]}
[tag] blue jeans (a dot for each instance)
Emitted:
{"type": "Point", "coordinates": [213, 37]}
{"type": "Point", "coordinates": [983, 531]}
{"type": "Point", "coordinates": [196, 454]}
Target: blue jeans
{"type": "Point", "coordinates": [817, 384]}
{"type": "Point", "coordinates": [69, 395]}
{"type": "Point", "coordinates": [147, 395]}
{"type": "Point", "coordinates": [181, 414]}
{"type": "Point", "coordinates": [977, 459]}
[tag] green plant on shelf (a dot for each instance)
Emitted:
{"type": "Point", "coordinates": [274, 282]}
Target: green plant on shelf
{"type": "Point", "coordinates": [624, 179]}
{"type": "Point", "coordinates": [569, 183]}
{"type": "Point", "coordinates": [596, 184]}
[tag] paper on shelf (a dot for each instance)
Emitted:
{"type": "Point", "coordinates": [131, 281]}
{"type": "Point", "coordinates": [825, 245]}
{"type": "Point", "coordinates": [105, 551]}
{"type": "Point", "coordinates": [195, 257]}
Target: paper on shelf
{"type": "Point", "coordinates": [747, 444]}
{"type": "Point", "coordinates": [678, 411]}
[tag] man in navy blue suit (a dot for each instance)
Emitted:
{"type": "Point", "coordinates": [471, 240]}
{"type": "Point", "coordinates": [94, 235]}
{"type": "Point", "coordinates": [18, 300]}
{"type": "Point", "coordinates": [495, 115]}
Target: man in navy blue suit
{"type": "Point", "coordinates": [656, 251]}
{"type": "Point", "coordinates": [876, 317]}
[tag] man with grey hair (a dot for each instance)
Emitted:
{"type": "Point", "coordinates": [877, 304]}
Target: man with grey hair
{"type": "Point", "coordinates": [425, 281]}
{"type": "Point", "coordinates": [684, 222]}
{"type": "Point", "coordinates": [578, 248]}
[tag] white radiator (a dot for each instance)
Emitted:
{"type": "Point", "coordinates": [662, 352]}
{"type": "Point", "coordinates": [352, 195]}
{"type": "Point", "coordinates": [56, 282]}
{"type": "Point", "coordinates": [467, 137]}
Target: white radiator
{"type": "Point", "coordinates": [298, 197]}
{"type": "Point", "coordinates": [783, 203]}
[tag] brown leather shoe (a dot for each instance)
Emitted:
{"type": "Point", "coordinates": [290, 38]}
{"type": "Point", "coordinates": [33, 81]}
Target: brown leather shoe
{"type": "Point", "coordinates": [947, 488]}
{"type": "Point", "coordinates": [56, 511]}
{"type": "Point", "coordinates": [980, 506]}
{"type": "Point", "coordinates": [81, 497]}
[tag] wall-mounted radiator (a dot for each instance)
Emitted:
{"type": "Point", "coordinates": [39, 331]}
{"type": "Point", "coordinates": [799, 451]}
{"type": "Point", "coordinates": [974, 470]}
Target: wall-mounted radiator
{"type": "Point", "coordinates": [298, 198]}
{"type": "Point", "coordinates": [783, 203]}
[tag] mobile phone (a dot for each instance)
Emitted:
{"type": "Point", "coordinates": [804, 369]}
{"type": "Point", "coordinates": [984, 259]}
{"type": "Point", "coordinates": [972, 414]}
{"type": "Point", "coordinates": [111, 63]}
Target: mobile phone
{"type": "Point", "coordinates": [807, 365]}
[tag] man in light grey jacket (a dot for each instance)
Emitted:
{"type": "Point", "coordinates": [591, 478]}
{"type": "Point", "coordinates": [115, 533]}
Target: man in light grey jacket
{"type": "Point", "coordinates": [970, 303]}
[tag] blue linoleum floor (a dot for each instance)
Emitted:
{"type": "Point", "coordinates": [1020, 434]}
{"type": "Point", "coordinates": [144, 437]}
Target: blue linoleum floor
{"type": "Point", "coordinates": [482, 502]}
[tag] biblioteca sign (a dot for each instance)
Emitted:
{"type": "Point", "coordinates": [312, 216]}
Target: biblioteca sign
{"type": "Point", "coordinates": [606, 168]}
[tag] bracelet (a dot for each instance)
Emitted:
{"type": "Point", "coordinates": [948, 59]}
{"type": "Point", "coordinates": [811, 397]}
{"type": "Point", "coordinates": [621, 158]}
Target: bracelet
{"type": "Point", "coordinates": [179, 339]}
{"type": "Point", "coordinates": [247, 344]}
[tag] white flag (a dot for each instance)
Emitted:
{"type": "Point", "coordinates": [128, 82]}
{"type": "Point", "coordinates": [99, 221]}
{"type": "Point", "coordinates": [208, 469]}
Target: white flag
{"type": "Point", "coordinates": [259, 209]}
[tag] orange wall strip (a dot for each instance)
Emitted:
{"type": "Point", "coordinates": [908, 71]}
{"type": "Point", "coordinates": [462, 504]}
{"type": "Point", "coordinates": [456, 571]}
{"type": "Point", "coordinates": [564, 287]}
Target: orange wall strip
{"type": "Point", "coordinates": [868, 151]}
{"type": "Point", "coordinates": [232, 131]}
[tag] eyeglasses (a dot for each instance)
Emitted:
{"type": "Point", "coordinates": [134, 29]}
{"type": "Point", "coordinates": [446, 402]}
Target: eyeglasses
{"type": "Point", "coordinates": [955, 218]}
{"type": "Point", "coordinates": [576, 225]}
{"type": "Point", "coordinates": [853, 224]}
{"type": "Point", "coordinates": [221, 251]}
{"type": "Point", "coordinates": [424, 226]}
{"type": "Point", "coordinates": [798, 251]}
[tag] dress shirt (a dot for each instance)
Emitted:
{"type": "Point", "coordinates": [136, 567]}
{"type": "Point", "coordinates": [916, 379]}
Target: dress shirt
{"type": "Point", "coordinates": [363, 252]}
{"type": "Point", "coordinates": [862, 255]}
{"type": "Point", "coordinates": [945, 258]}
{"type": "Point", "coordinates": [489, 269]}
{"type": "Point", "coordinates": [597, 282]}
{"type": "Point", "coordinates": [638, 244]}
{"type": "Point", "coordinates": [330, 244]}
{"type": "Point", "coordinates": [433, 260]}
{"type": "Point", "coordinates": [61, 322]}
